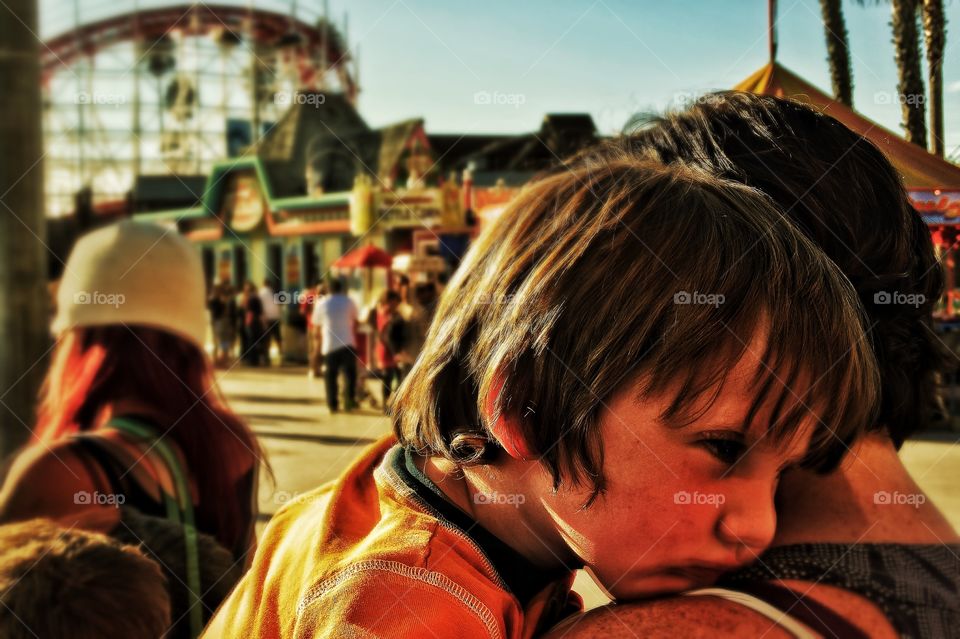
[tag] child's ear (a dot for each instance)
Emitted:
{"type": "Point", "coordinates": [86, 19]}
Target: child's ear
{"type": "Point", "coordinates": [506, 428]}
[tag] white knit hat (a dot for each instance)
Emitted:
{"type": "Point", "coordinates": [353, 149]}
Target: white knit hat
{"type": "Point", "coordinates": [137, 274]}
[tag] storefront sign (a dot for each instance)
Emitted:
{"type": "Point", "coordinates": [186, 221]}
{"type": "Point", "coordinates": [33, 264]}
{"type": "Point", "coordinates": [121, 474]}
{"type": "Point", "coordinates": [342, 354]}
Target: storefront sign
{"type": "Point", "coordinates": [410, 209]}
{"type": "Point", "coordinates": [243, 202]}
{"type": "Point", "coordinates": [937, 206]}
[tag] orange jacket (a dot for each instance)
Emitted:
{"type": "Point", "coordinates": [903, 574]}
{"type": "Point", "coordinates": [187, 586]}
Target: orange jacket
{"type": "Point", "coordinates": [360, 557]}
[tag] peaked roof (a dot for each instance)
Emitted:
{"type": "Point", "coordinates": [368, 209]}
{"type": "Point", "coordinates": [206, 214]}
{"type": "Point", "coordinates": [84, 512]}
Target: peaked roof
{"type": "Point", "coordinates": [919, 168]}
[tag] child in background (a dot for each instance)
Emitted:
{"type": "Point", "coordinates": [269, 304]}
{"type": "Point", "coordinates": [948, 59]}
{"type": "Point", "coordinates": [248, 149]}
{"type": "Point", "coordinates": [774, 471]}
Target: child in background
{"type": "Point", "coordinates": [57, 583]}
{"type": "Point", "coordinates": [391, 338]}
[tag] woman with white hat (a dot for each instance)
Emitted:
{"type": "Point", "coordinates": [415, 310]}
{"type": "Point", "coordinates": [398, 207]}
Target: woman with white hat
{"type": "Point", "coordinates": [129, 413]}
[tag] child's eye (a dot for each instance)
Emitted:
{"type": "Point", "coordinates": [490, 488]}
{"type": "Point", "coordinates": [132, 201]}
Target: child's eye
{"type": "Point", "coordinates": [728, 451]}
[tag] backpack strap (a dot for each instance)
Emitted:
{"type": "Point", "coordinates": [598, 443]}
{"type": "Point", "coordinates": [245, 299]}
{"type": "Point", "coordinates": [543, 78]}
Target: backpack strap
{"type": "Point", "coordinates": [179, 510]}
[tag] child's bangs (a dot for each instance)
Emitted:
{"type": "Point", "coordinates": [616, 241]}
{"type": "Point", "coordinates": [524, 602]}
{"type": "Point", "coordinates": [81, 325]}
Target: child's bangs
{"type": "Point", "coordinates": [802, 373]}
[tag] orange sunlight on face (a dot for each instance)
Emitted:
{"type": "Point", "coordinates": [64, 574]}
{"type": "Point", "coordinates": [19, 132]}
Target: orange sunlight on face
{"type": "Point", "coordinates": [683, 504]}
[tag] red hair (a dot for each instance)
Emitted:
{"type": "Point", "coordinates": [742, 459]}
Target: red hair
{"type": "Point", "coordinates": [94, 366]}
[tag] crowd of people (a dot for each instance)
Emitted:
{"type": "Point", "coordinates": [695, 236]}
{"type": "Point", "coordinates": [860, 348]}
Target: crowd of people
{"type": "Point", "coordinates": [245, 323]}
{"type": "Point", "coordinates": [663, 364]}
{"type": "Point", "coordinates": [338, 333]}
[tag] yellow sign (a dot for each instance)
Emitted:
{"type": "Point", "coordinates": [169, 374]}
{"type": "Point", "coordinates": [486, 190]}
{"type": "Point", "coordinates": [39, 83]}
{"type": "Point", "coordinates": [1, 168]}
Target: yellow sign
{"type": "Point", "coordinates": [361, 205]}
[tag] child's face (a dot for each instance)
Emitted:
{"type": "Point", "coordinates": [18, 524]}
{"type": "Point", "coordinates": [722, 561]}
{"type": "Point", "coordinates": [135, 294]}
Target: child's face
{"type": "Point", "coordinates": [683, 504]}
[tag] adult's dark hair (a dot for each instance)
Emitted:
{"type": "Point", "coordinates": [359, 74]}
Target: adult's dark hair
{"type": "Point", "coordinates": [845, 195]}
{"type": "Point", "coordinates": [336, 286]}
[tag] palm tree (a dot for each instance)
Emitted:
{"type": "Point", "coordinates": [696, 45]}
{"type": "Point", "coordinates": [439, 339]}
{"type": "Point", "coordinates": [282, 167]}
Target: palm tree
{"type": "Point", "coordinates": [23, 313]}
{"type": "Point", "coordinates": [838, 50]}
{"type": "Point", "coordinates": [906, 44]}
{"type": "Point", "coordinates": [934, 35]}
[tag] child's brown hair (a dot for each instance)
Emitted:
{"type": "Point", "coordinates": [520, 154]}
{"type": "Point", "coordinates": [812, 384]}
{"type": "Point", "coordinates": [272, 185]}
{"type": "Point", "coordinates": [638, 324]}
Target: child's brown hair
{"type": "Point", "coordinates": [57, 582]}
{"type": "Point", "coordinates": [619, 271]}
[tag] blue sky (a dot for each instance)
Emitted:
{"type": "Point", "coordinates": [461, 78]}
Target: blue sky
{"type": "Point", "coordinates": [610, 58]}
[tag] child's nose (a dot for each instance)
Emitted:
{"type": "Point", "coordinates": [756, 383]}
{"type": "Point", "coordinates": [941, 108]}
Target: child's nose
{"type": "Point", "coordinates": [748, 519]}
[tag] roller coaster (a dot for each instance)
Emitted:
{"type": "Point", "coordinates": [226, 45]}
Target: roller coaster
{"type": "Point", "coordinates": [134, 88]}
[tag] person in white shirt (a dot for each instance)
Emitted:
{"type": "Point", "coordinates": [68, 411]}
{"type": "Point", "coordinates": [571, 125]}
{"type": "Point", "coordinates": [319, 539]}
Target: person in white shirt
{"type": "Point", "coordinates": [271, 319]}
{"type": "Point", "coordinates": [335, 319]}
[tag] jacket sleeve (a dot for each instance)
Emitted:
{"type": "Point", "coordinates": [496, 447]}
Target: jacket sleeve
{"type": "Point", "coordinates": [384, 599]}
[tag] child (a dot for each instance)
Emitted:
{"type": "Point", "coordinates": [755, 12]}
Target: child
{"type": "Point", "coordinates": [57, 582]}
{"type": "Point", "coordinates": [614, 380]}
{"type": "Point", "coordinates": [391, 339]}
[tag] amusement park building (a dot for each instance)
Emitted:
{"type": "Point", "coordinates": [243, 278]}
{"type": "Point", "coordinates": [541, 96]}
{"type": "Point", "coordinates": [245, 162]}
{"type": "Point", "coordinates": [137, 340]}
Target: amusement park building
{"type": "Point", "coordinates": [321, 182]}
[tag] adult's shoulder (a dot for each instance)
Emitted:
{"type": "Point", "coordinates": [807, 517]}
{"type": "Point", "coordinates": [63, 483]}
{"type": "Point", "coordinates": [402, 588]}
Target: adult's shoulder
{"type": "Point", "coordinates": [701, 616]}
{"type": "Point", "coordinates": [46, 480]}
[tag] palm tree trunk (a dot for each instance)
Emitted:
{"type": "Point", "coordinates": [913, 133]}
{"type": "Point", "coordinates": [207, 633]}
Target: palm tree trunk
{"type": "Point", "coordinates": [838, 50]}
{"type": "Point", "coordinates": [934, 33]}
{"type": "Point", "coordinates": [24, 336]}
{"type": "Point", "coordinates": [910, 87]}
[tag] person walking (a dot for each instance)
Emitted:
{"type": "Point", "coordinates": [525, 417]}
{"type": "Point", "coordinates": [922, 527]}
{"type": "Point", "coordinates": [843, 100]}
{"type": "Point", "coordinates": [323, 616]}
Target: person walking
{"type": "Point", "coordinates": [392, 332]}
{"type": "Point", "coordinates": [315, 357]}
{"type": "Point", "coordinates": [221, 318]}
{"type": "Point", "coordinates": [334, 321]}
{"type": "Point", "coordinates": [271, 320]}
{"type": "Point", "coordinates": [253, 325]}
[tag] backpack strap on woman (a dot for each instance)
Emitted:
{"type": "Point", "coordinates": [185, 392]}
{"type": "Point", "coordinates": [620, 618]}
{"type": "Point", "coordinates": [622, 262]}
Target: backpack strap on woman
{"type": "Point", "coordinates": [179, 510]}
